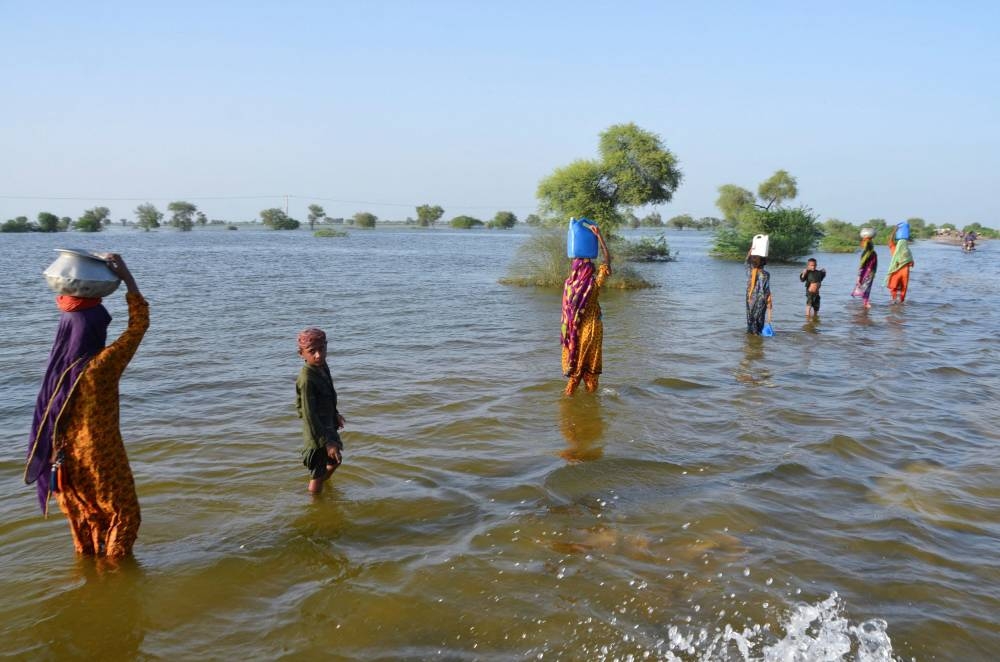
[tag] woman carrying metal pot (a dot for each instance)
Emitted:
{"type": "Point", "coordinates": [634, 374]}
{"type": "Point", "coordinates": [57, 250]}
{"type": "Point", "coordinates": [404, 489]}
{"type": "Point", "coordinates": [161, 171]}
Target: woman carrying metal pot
{"type": "Point", "coordinates": [75, 451]}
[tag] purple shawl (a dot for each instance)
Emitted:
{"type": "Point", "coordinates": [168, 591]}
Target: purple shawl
{"type": "Point", "coordinates": [576, 293]}
{"type": "Point", "coordinates": [80, 336]}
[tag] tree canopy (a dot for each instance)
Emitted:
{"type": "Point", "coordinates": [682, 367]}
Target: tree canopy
{"type": "Point", "coordinates": [428, 215]}
{"type": "Point", "coordinates": [92, 220]}
{"type": "Point", "coordinates": [504, 220]}
{"type": "Point", "coordinates": [182, 214]}
{"type": "Point", "coordinates": [276, 219]}
{"type": "Point", "coordinates": [733, 200]}
{"type": "Point", "coordinates": [365, 219]}
{"type": "Point", "coordinates": [47, 222]}
{"type": "Point", "coordinates": [777, 188]}
{"type": "Point", "coordinates": [148, 216]}
{"type": "Point", "coordinates": [634, 169]}
{"type": "Point", "coordinates": [465, 222]}
{"type": "Point", "coordinates": [316, 213]}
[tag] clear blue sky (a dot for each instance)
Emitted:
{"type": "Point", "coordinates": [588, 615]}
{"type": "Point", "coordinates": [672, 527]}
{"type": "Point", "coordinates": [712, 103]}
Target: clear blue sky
{"type": "Point", "coordinates": [879, 109]}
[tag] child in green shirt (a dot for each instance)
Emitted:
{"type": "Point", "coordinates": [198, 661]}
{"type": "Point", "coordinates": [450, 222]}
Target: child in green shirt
{"type": "Point", "coordinates": [316, 402]}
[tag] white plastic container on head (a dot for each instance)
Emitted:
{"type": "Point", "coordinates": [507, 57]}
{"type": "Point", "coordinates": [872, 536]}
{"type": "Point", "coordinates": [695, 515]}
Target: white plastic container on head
{"type": "Point", "coordinates": [867, 233]}
{"type": "Point", "coordinates": [760, 245]}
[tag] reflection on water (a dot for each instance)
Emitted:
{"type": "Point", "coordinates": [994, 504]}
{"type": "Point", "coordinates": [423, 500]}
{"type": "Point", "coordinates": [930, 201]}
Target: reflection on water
{"type": "Point", "coordinates": [680, 514]}
{"type": "Point", "coordinates": [582, 425]}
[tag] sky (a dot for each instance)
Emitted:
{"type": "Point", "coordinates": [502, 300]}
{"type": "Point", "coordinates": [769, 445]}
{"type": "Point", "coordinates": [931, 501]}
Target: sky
{"type": "Point", "coordinates": [879, 109]}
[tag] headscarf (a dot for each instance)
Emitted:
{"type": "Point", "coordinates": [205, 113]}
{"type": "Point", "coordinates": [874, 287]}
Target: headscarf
{"type": "Point", "coordinates": [901, 257]}
{"type": "Point", "coordinates": [311, 338]}
{"type": "Point", "coordinates": [576, 293]}
{"type": "Point", "coordinates": [71, 304]}
{"type": "Point", "coordinates": [80, 336]}
{"type": "Point", "coordinates": [867, 250]}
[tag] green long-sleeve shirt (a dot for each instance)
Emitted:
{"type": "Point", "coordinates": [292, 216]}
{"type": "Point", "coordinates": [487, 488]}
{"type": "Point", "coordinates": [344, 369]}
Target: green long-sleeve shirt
{"type": "Point", "coordinates": [316, 402]}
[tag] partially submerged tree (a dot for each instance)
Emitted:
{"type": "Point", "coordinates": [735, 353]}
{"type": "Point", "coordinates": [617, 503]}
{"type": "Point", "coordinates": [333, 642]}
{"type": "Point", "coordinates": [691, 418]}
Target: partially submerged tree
{"type": "Point", "coordinates": [148, 216]}
{"type": "Point", "coordinates": [365, 219]}
{"type": "Point", "coordinates": [634, 169]}
{"type": "Point", "coordinates": [182, 216]}
{"type": "Point", "coordinates": [276, 219]}
{"type": "Point", "coordinates": [428, 215]}
{"type": "Point", "coordinates": [466, 222]}
{"type": "Point", "coordinates": [504, 220]}
{"type": "Point", "coordinates": [316, 214]}
{"type": "Point", "coordinates": [792, 232]}
{"type": "Point", "coordinates": [47, 222]}
{"type": "Point", "coordinates": [93, 219]}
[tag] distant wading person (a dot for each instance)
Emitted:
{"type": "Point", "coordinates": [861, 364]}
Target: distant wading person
{"type": "Point", "coordinates": [866, 271]}
{"type": "Point", "coordinates": [582, 328]}
{"type": "Point", "coordinates": [898, 278]}
{"type": "Point", "coordinates": [76, 450]}
{"type": "Point", "coordinates": [316, 402]}
{"type": "Point", "coordinates": [758, 294]}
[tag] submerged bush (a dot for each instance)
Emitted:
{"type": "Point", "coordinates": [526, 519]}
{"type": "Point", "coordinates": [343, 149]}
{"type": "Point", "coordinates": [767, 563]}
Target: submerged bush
{"type": "Point", "coordinates": [541, 262]}
{"type": "Point", "coordinates": [329, 232]}
{"type": "Point", "coordinates": [793, 233]}
{"type": "Point", "coordinates": [647, 249]}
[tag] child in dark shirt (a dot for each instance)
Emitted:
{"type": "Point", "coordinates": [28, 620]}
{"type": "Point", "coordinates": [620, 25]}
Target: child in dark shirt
{"type": "Point", "coordinates": [812, 277]}
{"type": "Point", "coordinates": [316, 402]}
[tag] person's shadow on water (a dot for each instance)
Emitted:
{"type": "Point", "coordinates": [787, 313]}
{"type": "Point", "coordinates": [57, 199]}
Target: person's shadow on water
{"type": "Point", "coordinates": [582, 425]}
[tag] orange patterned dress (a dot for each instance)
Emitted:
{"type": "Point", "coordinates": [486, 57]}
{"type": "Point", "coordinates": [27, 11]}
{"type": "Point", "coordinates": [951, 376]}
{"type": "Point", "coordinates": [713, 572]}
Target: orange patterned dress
{"type": "Point", "coordinates": [589, 361]}
{"type": "Point", "coordinates": [97, 490]}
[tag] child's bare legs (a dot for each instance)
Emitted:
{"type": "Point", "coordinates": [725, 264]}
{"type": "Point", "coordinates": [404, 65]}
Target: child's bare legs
{"type": "Point", "coordinates": [333, 460]}
{"type": "Point", "coordinates": [590, 381]}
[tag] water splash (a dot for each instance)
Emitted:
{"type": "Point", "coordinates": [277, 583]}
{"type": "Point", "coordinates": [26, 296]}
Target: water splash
{"type": "Point", "coordinates": [817, 632]}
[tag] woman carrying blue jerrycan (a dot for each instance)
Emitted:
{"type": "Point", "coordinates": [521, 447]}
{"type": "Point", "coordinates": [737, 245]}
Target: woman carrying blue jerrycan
{"type": "Point", "coordinates": [582, 334]}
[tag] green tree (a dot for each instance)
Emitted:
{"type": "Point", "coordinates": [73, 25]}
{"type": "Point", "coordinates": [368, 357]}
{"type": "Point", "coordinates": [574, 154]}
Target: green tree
{"type": "Point", "coordinates": [733, 200]}
{"type": "Point", "coordinates": [19, 224]}
{"type": "Point", "coordinates": [64, 223]}
{"type": "Point", "coordinates": [682, 221]}
{"type": "Point", "coordinates": [709, 222]}
{"type": "Point", "coordinates": [428, 215]}
{"type": "Point", "coordinates": [148, 216]}
{"type": "Point", "coordinates": [47, 222]}
{"type": "Point", "coordinates": [839, 236]}
{"type": "Point", "coordinates": [503, 220]}
{"type": "Point", "coordinates": [182, 216]}
{"type": "Point", "coordinates": [201, 218]}
{"type": "Point", "coordinates": [634, 169]}
{"type": "Point", "coordinates": [533, 220]}
{"type": "Point", "coordinates": [92, 219]}
{"type": "Point", "coordinates": [316, 214]}
{"type": "Point", "coordinates": [777, 188]}
{"type": "Point", "coordinates": [277, 219]}
{"type": "Point", "coordinates": [652, 220]}
{"type": "Point", "coordinates": [364, 219]}
{"type": "Point", "coordinates": [465, 222]}
{"type": "Point", "coordinates": [921, 229]}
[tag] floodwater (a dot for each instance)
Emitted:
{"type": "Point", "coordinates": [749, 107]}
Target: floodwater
{"type": "Point", "coordinates": [829, 493]}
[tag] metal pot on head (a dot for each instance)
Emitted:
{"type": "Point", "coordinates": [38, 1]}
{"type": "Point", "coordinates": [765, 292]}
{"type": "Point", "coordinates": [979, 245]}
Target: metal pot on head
{"type": "Point", "coordinates": [81, 273]}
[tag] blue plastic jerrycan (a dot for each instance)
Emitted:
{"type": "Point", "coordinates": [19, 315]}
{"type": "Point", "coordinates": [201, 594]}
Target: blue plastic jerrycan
{"type": "Point", "coordinates": [903, 231]}
{"type": "Point", "coordinates": [580, 239]}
